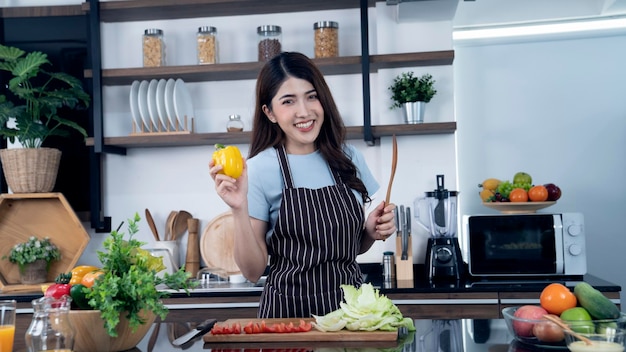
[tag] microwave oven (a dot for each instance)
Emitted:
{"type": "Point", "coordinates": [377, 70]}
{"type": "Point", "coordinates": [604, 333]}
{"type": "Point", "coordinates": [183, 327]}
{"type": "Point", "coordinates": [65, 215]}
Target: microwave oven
{"type": "Point", "coordinates": [524, 245]}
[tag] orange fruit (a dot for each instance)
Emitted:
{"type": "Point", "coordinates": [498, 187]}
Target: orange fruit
{"type": "Point", "coordinates": [89, 278]}
{"type": "Point", "coordinates": [557, 298]}
{"type": "Point", "coordinates": [518, 195]}
{"type": "Point", "coordinates": [538, 193]}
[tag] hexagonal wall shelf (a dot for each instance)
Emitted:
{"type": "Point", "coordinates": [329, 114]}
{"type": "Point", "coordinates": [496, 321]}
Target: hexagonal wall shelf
{"type": "Point", "coordinates": [42, 215]}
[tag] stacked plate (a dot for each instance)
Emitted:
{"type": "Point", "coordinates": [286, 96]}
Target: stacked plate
{"type": "Point", "coordinates": [161, 105]}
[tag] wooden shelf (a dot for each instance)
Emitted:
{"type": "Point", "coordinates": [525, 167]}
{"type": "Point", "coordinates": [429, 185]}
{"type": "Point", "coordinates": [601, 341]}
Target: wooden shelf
{"type": "Point", "coordinates": [41, 11]}
{"type": "Point", "coordinates": [250, 70]}
{"type": "Point", "coordinates": [199, 139]}
{"type": "Point", "coordinates": [144, 10]}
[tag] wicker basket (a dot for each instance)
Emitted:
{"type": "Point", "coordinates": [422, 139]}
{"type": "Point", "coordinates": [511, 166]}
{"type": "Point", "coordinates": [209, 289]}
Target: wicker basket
{"type": "Point", "coordinates": [30, 170]}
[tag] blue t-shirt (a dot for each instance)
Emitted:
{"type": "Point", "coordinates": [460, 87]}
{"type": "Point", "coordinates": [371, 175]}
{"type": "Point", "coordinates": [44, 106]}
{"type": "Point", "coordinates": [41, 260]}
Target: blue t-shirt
{"type": "Point", "coordinates": [265, 181]}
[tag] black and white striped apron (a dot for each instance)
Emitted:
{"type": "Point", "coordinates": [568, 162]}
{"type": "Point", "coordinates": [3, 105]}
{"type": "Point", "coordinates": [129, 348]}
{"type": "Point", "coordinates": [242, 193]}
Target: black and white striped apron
{"type": "Point", "coordinates": [313, 249]}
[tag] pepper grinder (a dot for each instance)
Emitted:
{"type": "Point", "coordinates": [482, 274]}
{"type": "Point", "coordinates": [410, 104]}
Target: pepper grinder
{"type": "Point", "coordinates": [192, 260]}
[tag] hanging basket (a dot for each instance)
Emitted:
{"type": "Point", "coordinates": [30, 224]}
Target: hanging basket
{"type": "Point", "coordinates": [30, 170]}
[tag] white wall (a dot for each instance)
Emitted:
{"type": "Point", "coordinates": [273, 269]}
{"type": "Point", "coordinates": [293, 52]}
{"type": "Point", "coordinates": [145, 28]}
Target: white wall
{"type": "Point", "coordinates": [165, 179]}
{"type": "Point", "coordinates": [555, 109]}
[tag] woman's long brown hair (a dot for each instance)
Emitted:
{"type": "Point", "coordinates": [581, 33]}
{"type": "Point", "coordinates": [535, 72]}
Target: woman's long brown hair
{"type": "Point", "coordinates": [332, 135]}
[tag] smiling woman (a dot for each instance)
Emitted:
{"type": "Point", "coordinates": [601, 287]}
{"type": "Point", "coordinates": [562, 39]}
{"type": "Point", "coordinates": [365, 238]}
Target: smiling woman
{"type": "Point", "coordinates": [301, 195]}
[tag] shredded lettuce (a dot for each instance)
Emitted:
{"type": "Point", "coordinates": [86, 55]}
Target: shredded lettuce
{"type": "Point", "coordinates": [363, 309]}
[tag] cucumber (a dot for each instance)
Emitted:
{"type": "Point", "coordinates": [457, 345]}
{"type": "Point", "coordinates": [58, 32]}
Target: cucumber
{"type": "Point", "coordinates": [597, 304]}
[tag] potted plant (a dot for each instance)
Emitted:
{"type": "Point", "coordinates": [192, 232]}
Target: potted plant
{"type": "Point", "coordinates": [412, 93]}
{"type": "Point", "coordinates": [30, 114]}
{"type": "Point", "coordinates": [126, 297]}
{"type": "Point", "coordinates": [34, 257]}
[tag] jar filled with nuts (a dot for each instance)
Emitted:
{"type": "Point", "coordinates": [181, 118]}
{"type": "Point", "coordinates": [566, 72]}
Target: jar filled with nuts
{"type": "Point", "coordinates": [269, 41]}
{"type": "Point", "coordinates": [326, 39]}
{"type": "Point", "coordinates": [207, 45]}
{"type": "Point", "coordinates": [234, 124]}
{"type": "Point", "coordinates": [153, 48]}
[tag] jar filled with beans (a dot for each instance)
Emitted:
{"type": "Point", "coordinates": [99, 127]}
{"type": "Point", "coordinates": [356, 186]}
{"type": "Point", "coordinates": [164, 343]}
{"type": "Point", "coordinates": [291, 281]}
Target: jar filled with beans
{"type": "Point", "coordinates": [326, 39]}
{"type": "Point", "coordinates": [153, 48]}
{"type": "Point", "coordinates": [207, 45]}
{"type": "Point", "coordinates": [269, 41]}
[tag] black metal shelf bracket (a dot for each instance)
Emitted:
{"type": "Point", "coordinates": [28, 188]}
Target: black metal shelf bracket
{"type": "Point", "coordinates": [99, 222]}
{"type": "Point", "coordinates": [368, 136]}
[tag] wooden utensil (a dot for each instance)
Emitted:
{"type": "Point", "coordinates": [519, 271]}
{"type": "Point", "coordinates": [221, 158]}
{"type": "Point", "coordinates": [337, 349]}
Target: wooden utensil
{"type": "Point", "coordinates": [192, 260]}
{"type": "Point", "coordinates": [561, 323]}
{"type": "Point", "coordinates": [169, 225]}
{"type": "Point", "coordinates": [217, 245]}
{"type": "Point", "coordinates": [179, 225]}
{"type": "Point", "coordinates": [150, 221]}
{"type": "Point", "coordinates": [394, 163]}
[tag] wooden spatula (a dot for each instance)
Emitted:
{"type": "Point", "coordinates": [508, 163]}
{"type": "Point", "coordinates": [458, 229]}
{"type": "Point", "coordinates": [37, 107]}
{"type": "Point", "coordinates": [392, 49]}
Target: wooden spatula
{"type": "Point", "coordinates": [394, 163]}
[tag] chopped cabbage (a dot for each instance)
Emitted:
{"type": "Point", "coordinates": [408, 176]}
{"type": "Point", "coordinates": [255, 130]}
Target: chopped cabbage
{"type": "Point", "coordinates": [363, 309]}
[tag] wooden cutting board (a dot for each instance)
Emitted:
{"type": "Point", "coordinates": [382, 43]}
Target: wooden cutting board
{"type": "Point", "coordinates": [313, 335]}
{"type": "Point", "coordinates": [217, 245]}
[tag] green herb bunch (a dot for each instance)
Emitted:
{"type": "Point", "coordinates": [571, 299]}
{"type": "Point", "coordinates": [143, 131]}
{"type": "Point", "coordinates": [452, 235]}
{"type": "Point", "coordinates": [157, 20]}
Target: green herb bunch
{"type": "Point", "coordinates": [407, 88]}
{"type": "Point", "coordinates": [129, 283]}
{"type": "Point", "coordinates": [32, 250]}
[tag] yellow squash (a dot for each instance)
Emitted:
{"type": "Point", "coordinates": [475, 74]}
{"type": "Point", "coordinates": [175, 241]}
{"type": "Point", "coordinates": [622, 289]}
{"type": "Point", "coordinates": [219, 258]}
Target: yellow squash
{"type": "Point", "coordinates": [230, 158]}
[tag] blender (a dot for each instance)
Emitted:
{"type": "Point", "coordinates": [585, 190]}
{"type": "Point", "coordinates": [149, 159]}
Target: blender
{"type": "Point", "coordinates": [443, 254]}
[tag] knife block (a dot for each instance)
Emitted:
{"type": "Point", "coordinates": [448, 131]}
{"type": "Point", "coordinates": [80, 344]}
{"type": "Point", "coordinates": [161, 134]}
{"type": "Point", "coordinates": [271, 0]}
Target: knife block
{"type": "Point", "coordinates": [404, 268]}
{"type": "Point", "coordinates": [192, 259]}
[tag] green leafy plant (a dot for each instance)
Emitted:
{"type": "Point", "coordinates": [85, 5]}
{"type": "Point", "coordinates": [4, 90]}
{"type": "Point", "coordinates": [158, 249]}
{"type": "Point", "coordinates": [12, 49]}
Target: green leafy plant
{"type": "Point", "coordinates": [37, 95]}
{"type": "Point", "coordinates": [32, 250]}
{"type": "Point", "coordinates": [407, 88]}
{"type": "Point", "coordinates": [129, 283]}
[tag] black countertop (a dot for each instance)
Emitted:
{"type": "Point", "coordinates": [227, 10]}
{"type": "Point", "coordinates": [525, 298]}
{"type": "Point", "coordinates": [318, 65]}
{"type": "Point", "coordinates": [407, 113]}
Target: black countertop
{"type": "Point", "coordinates": [453, 336]}
{"type": "Point", "coordinates": [420, 284]}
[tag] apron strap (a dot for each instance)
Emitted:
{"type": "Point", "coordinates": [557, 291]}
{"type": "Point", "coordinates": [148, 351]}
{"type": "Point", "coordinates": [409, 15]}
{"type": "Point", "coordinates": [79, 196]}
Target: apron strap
{"type": "Point", "coordinates": [284, 166]}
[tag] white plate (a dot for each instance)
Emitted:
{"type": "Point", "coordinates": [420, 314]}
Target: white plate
{"type": "Point", "coordinates": [143, 104]}
{"type": "Point", "coordinates": [160, 101]}
{"type": "Point", "coordinates": [134, 105]}
{"type": "Point", "coordinates": [182, 103]}
{"type": "Point", "coordinates": [169, 102]}
{"type": "Point", "coordinates": [518, 207]}
{"type": "Point", "coordinates": [152, 104]}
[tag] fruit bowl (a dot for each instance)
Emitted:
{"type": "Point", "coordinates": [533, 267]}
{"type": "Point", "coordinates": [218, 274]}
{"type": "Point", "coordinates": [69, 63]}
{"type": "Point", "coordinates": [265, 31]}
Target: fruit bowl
{"type": "Point", "coordinates": [522, 329]}
{"type": "Point", "coordinates": [604, 335]}
{"type": "Point", "coordinates": [518, 207]}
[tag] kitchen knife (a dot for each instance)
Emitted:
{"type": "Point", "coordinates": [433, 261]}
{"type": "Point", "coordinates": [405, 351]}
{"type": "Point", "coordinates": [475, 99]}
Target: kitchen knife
{"type": "Point", "coordinates": [405, 238]}
{"type": "Point", "coordinates": [408, 219]}
{"type": "Point", "coordinates": [199, 330]}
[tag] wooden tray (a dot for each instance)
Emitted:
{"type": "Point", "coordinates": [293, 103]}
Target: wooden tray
{"type": "Point", "coordinates": [42, 215]}
{"type": "Point", "coordinates": [309, 336]}
{"type": "Point", "coordinates": [217, 245]}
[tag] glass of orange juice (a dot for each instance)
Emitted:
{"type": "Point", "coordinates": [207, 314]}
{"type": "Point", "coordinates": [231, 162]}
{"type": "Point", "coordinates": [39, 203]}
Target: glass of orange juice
{"type": "Point", "coordinates": [7, 324]}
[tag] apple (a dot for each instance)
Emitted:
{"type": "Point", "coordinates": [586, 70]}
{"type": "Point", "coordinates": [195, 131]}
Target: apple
{"type": "Point", "coordinates": [529, 312]}
{"type": "Point", "coordinates": [554, 192]}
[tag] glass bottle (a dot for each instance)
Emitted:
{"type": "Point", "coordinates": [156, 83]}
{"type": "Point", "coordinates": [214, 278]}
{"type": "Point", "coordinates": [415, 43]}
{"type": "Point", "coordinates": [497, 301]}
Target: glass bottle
{"type": "Point", "coordinates": [234, 124]}
{"type": "Point", "coordinates": [50, 328]}
{"type": "Point", "coordinates": [326, 35]}
{"type": "Point", "coordinates": [153, 48]}
{"type": "Point", "coordinates": [270, 37]}
{"type": "Point", "coordinates": [207, 45]}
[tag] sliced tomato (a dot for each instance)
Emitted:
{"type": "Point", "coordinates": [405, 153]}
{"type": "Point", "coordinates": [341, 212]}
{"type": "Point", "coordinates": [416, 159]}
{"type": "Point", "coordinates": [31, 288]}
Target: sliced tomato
{"type": "Point", "coordinates": [256, 329]}
{"type": "Point", "coordinates": [236, 328]}
{"type": "Point", "coordinates": [304, 326]}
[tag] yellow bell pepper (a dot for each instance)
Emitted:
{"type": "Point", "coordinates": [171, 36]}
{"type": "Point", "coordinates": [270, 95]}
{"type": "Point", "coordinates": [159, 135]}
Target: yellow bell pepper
{"type": "Point", "coordinates": [230, 158]}
{"type": "Point", "coordinates": [80, 271]}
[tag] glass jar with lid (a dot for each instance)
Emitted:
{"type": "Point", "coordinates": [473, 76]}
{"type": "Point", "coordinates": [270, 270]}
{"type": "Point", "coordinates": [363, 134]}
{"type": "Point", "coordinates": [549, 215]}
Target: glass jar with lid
{"type": "Point", "coordinates": [326, 35]}
{"type": "Point", "coordinates": [207, 45]}
{"type": "Point", "coordinates": [153, 48]}
{"type": "Point", "coordinates": [270, 38]}
{"type": "Point", "coordinates": [234, 123]}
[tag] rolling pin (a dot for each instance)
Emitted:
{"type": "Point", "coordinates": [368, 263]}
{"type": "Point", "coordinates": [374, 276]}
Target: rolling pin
{"type": "Point", "coordinates": [192, 260]}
